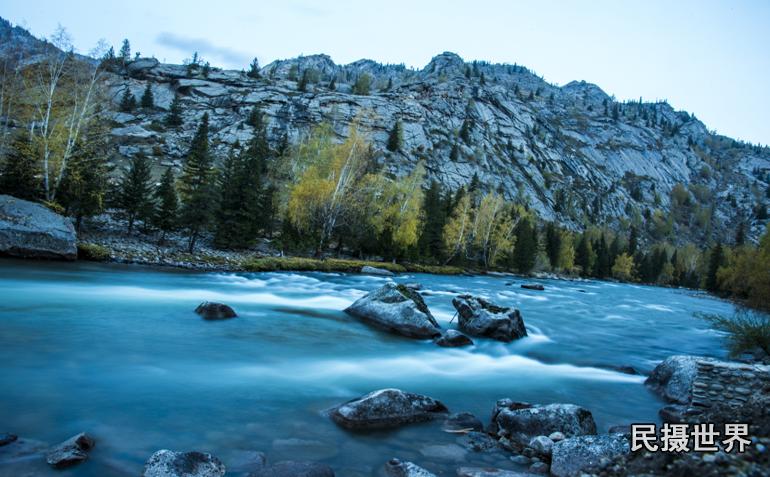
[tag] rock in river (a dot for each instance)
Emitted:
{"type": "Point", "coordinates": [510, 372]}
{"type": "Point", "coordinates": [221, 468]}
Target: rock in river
{"type": "Point", "coordinates": [294, 469]}
{"type": "Point", "coordinates": [478, 317]}
{"type": "Point", "coordinates": [166, 463]}
{"type": "Point", "coordinates": [673, 378]}
{"type": "Point", "coordinates": [387, 408]}
{"type": "Point", "coordinates": [453, 339]}
{"type": "Point", "coordinates": [366, 269]}
{"type": "Point", "coordinates": [396, 468]}
{"type": "Point", "coordinates": [215, 311]}
{"type": "Point", "coordinates": [398, 309]}
{"type": "Point", "coordinates": [30, 230]}
{"type": "Point", "coordinates": [572, 456]}
{"type": "Point", "coordinates": [70, 452]}
{"type": "Point", "coordinates": [533, 286]}
{"type": "Point", "coordinates": [520, 422]}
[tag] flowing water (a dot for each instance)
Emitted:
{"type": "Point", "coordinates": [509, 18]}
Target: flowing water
{"type": "Point", "coordinates": [118, 352]}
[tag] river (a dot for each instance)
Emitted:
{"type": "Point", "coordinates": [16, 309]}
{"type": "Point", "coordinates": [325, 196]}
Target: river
{"type": "Point", "coordinates": [117, 351]}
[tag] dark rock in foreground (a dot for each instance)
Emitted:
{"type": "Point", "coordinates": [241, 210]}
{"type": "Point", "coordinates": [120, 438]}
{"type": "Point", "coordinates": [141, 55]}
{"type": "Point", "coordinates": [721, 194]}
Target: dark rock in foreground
{"type": "Point", "coordinates": [673, 378]}
{"type": "Point", "coordinates": [294, 469]}
{"type": "Point", "coordinates": [30, 230]}
{"type": "Point", "coordinates": [70, 452]}
{"type": "Point", "coordinates": [396, 468]}
{"type": "Point", "coordinates": [453, 339]}
{"type": "Point", "coordinates": [215, 311]}
{"type": "Point", "coordinates": [572, 456]}
{"type": "Point", "coordinates": [520, 422]}
{"type": "Point", "coordinates": [478, 317]}
{"type": "Point", "coordinates": [398, 309]}
{"type": "Point", "coordinates": [166, 463]}
{"type": "Point", "coordinates": [387, 408]}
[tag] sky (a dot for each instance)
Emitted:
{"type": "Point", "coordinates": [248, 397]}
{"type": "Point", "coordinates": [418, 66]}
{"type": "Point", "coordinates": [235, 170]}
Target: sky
{"type": "Point", "coordinates": [707, 57]}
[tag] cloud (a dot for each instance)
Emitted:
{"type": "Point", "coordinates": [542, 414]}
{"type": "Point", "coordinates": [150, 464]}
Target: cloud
{"type": "Point", "coordinates": [205, 49]}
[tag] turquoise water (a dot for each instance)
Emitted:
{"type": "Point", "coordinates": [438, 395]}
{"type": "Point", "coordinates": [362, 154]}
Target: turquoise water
{"type": "Point", "coordinates": [118, 352]}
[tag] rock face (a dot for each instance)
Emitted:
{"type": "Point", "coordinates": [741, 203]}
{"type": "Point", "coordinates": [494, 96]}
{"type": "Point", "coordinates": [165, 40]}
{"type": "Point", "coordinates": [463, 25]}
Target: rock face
{"type": "Point", "coordinates": [70, 452]}
{"type": "Point", "coordinates": [398, 309]}
{"type": "Point", "coordinates": [166, 463]}
{"type": "Point", "coordinates": [572, 456]}
{"type": "Point", "coordinates": [215, 311]}
{"type": "Point", "coordinates": [30, 230]}
{"type": "Point", "coordinates": [366, 269]}
{"type": "Point", "coordinates": [453, 339]}
{"type": "Point", "coordinates": [520, 422]}
{"type": "Point", "coordinates": [478, 317]}
{"type": "Point", "coordinates": [294, 469]}
{"type": "Point", "coordinates": [396, 468]}
{"type": "Point", "coordinates": [387, 408]}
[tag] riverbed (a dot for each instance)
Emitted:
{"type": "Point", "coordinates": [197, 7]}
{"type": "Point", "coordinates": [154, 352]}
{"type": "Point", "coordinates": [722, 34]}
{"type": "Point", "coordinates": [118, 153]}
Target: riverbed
{"type": "Point", "coordinates": [117, 351]}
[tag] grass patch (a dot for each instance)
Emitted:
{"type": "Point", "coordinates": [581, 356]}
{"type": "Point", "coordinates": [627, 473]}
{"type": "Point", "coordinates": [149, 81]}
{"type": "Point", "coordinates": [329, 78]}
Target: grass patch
{"type": "Point", "coordinates": [301, 264]}
{"type": "Point", "coordinates": [93, 252]}
{"type": "Point", "coordinates": [434, 269]}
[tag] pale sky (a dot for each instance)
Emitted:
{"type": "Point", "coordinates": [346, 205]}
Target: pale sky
{"type": "Point", "coordinates": [707, 57]}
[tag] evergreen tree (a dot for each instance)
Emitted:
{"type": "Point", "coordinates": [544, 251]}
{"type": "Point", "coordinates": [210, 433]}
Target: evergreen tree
{"type": "Point", "coordinates": [633, 241]}
{"type": "Point", "coordinates": [396, 137]}
{"type": "Point", "coordinates": [167, 204]}
{"type": "Point", "coordinates": [19, 173]}
{"type": "Point", "coordinates": [362, 85]}
{"type": "Point", "coordinates": [174, 117]}
{"type": "Point", "coordinates": [740, 234]}
{"type": "Point", "coordinates": [716, 260]}
{"type": "Point", "coordinates": [435, 212]}
{"type": "Point", "coordinates": [583, 254]}
{"type": "Point", "coordinates": [148, 101]}
{"type": "Point", "coordinates": [134, 197]}
{"type": "Point", "coordinates": [454, 155]}
{"type": "Point", "coordinates": [206, 69]}
{"type": "Point", "coordinates": [465, 130]}
{"type": "Point", "coordinates": [127, 101]}
{"type": "Point", "coordinates": [303, 82]}
{"type": "Point", "coordinates": [197, 186]}
{"type": "Point", "coordinates": [125, 52]}
{"type": "Point", "coordinates": [255, 118]}
{"type": "Point", "coordinates": [603, 265]}
{"type": "Point", "coordinates": [552, 244]}
{"type": "Point", "coordinates": [254, 69]}
{"type": "Point", "coordinates": [525, 250]}
{"type": "Point", "coordinates": [333, 84]}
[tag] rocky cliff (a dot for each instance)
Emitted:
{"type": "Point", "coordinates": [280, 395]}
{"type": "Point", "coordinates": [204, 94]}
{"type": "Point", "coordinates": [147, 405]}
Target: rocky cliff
{"type": "Point", "coordinates": [571, 152]}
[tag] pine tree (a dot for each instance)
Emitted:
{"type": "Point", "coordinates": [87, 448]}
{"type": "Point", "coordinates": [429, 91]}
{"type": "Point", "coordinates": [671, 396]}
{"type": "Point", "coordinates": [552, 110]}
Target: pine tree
{"type": "Point", "coordinates": [435, 211]}
{"type": "Point", "coordinates": [167, 204]}
{"type": "Point", "coordinates": [127, 101]}
{"type": "Point", "coordinates": [583, 255]}
{"type": "Point", "coordinates": [333, 85]}
{"type": "Point", "coordinates": [525, 250]}
{"type": "Point", "coordinates": [254, 69]}
{"type": "Point", "coordinates": [396, 137]}
{"type": "Point", "coordinates": [716, 260]}
{"type": "Point", "coordinates": [603, 265]}
{"type": "Point", "coordinates": [454, 155]}
{"type": "Point", "coordinates": [125, 52]}
{"type": "Point", "coordinates": [174, 117]}
{"type": "Point", "coordinates": [19, 173]}
{"type": "Point", "coordinates": [633, 241]}
{"type": "Point", "coordinates": [303, 82]}
{"type": "Point", "coordinates": [134, 197]}
{"type": "Point", "coordinates": [206, 69]}
{"type": "Point", "coordinates": [389, 85]}
{"type": "Point", "coordinates": [465, 130]}
{"type": "Point", "coordinates": [255, 118]}
{"type": "Point", "coordinates": [362, 85]}
{"type": "Point", "coordinates": [740, 234]}
{"type": "Point", "coordinates": [148, 101]}
{"type": "Point", "coordinates": [197, 186]}
{"type": "Point", "coordinates": [552, 244]}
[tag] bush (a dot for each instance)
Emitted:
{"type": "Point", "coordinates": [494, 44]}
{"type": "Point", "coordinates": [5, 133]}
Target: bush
{"type": "Point", "coordinates": [746, 331]}
{"type": "Point", "coordinates": [93, 252]}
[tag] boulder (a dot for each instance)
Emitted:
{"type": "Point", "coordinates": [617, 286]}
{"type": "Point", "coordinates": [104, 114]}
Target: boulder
{"type": "Point", "coordinates": [387, 408]}
{"type": "Point", "coordinates": [533, 286]}
{"type": "Point", "coordinates": [453, 339]}
{"type": "Point", "coordinates": [520, 422]}
{"type": "Point", "coordinates": [542, 445]}
{"type": "Point", "coordinates": [396, 468]}
{"type": "Point", "coordinates": [7, 438]}
{"type": "Point", "coordinates": [366, 269]}
{"type": "Point", "coordinates": [478, 317]}
{"type": "Point", "coordinates": [70, 452]}
{"type": "Point", "coordinates": [139, 68]}
{"type": "Point", "coordinates": [166, 463]}
{"type": "Point", "coordinates": [398, 309]}
{"type": "Point", "coordinates": [215, 311]}
{"type": "Point", "coordinates": [478, 442]}
{"type": "Point", "coordinates": [673, 378]}
{"type": "Point", "coordinates": [462, 422]}
{"type": "Point", "coordinates": [574, 455]}
{"type": "Point", "coordinates": [292, 468]}
{"type": "Point", "coordinates": [30, 230]}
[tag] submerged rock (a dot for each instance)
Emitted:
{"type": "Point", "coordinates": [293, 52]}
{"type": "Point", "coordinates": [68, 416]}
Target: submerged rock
{"type": "Point", "coordinates": [398, 309]}
{"type": "Point", "coordinates": [292, 468]}
{"type": "Point", "coordinates": [366, 269]}
{"type": "Point", "coordinates": [387, 408]}
{"type": "Point", "coordinates": [7, 438]}
{"type": "Point", "coordinates": [572, 456]}
{"type": "Point", "coordinates": [462, 422]}
{"type": "Point", "coordinates": [215, 311]}
{"type": "Point", "coordinates": [396, 468]}
{"type": "Point", "coordinates": [70, 452]}
{"type": "Point", "coordinates": [478, 317]}
{"type": "Point", "coordinates": [453, 339]}
{"type": "Point", "coordinates": [166, 463]}
{"type": "Point", "coordinates": [533, 286]}
{"type": "Point", "coordinates": [30, 230]}
{"type": "Point", "coordinates": [520, 422]}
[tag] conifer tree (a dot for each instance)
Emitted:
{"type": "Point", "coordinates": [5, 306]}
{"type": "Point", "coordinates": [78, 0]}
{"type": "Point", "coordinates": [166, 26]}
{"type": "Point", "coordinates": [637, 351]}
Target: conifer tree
{"type": "Point", "coordinates": [125, 52]}
{"type": "Point", "coordinates": [362, 85]}
{"type": "Point", "coordinates": [197, 186]}
{"type": "Point", "coordinates": [396, 137]}
{"type": "Point", "coordinates": [435, 211]}
{"type": "Point", "coordinates": [454, 155]}
{"type": "Point", "coordinates": [633, 241]}
{"type": "Point", "coordinates": [552, 244]}
{"type": "Point", "coordinates": [525, 250]}
{"type": "Point", "coordinates": [303, 81]}
{"type": "Point", "coordinates": [333, 84]}
{"type": "Point", "coordinates": [127, 101]}
{"type": "Point", "coordinates": [716, 260]}
{"type": "Point", "coordinates": [583, 254]}
{"type": "Point", "coordinates": [19, 172]}
{"type": "Point", "coordinates": [465, 130]}
{"type": "Point", "coordinates": [134, 197]}
{"type": "Point", "coordinates": [740, 234]}
{"type": "Point", "coordinates": [255, 118]}
{"type": "Point", "coordinates": [174, 117]}
{"type": "Point", "coordinates": [254, 69]}
{"type": "Point", "coordinates": [148, 100]}
{"type": "Point", "coordinates": [167, 204]}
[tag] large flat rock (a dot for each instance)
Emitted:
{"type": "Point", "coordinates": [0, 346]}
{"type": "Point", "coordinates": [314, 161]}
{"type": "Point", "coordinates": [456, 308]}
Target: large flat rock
{"type": "Point", "coordinates": [30, 230]}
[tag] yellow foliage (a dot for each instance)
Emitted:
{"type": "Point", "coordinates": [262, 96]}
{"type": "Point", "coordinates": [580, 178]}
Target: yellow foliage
{"type": "Point", "coordinates": [623, 267]}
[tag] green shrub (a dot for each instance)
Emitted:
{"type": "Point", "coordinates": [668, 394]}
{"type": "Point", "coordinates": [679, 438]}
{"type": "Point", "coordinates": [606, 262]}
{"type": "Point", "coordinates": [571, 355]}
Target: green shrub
{"type": "Point", "coordinates": [93, 252]}
{"type": "Point", "coordinates": [747, 331]}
